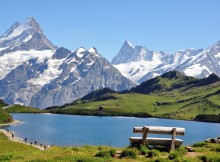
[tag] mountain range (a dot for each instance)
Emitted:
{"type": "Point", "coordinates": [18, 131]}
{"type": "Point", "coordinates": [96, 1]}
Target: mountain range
{"type": "Point", "coordinates": [37, 73]}
{"type": "Point", "coordinates": [140, 64]}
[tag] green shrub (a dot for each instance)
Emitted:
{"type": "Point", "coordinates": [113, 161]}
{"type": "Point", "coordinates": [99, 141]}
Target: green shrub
{"type": "Point", "coordinates": [216, 148]}
{"type": "Point", "coordinates": [152, 153]}
{"type": "Point", "coordinates": [106, 153]}
{"type": "Point", "coordinates": [204, 158]}
{"type": "Point", "coordinates": [5, 157]}
{"type": "Point", "coordinates": [103, 154]}
{"type": "Point", "coordinates": [173, 155]}
{"type": "Point", "coordinates": [199, 144]}
{"type": "Point", "coordinates": [143, 150]}
{"type": "Point", "coordinates": [181, 151]}
{"type": "Point", "coordinates": [177, 154]}
{"type": "Point", "coordinates": [210, 158]}
{"type": "Point", "coordinates": [112, 152]}
{"type": "Point", "coordinates": [130, 153]}
{"type": "Point", "coordinates": [162, 148]}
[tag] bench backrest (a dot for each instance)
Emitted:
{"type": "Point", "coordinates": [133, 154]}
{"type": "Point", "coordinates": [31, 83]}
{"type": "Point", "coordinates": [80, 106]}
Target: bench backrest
{"type": "Point", "coordinates": [160, 130]}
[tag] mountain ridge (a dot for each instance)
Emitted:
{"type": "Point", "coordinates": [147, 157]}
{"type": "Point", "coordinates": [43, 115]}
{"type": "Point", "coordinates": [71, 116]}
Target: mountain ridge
{"type": "Point", "coordinates": [145, 64]}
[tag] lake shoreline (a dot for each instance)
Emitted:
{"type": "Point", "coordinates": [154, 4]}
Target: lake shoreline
{"type": "Point", "coordinates": [15, 138]}
{"type": "Point", "coordinates": [128, 116]}
{"type": "Point", "coordinates": [207, 118]}
{"type": "Point", "coordinates": [12, 123]}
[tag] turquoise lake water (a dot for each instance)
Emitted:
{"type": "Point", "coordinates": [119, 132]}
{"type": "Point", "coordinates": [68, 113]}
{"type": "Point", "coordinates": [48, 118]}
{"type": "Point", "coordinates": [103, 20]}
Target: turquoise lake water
{"type": "Point", "coordinates": [69, 130]}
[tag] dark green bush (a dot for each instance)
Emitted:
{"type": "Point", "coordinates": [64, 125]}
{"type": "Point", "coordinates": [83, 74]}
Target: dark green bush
{"type": "Point", "coordinates": [112, 152]}
{"type": "Point", "coordinates": [143, 150]}
{"type": "Point", "coordinates": [162, 148]}
{"type": "Point", "coordinates": [173, 155]}
{"type": "Point", "coordinates": [210, 158]}
{"type": "Point", "coordinates": [216, 148]}
{"type": "Point", "coordinates": [204, 158]}
{"type": "Point", "coordinates": [152, 153]}
{"type": "Point", "coordinates": [130, 153]}
{"type": "Point", "coordinates": [199, 144]}
{"type": "Point", "coordinates": [103, 154]}
{"type": "Point", "coordinates": [106, 153]}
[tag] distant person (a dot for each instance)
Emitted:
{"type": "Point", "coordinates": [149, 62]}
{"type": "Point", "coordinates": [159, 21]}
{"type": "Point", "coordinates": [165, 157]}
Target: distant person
{"type": "Point", "coordinates": [12, 135]}
{"type": "Point", "coordinates": [35, 142]}
{"type": "Point", "coordinates": [31, 142]}
{"type": "Point", "coordinates": [8, 130]}
{"type": "Point", "coordinates": [25, 140]}
{"type": "Point", "coordinates": [45, 146]}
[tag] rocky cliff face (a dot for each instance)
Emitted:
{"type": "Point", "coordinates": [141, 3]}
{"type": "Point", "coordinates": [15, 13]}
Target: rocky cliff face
{"type": "Point", "coordinates": [36, 73]}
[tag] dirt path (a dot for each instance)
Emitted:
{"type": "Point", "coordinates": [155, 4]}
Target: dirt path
{"type": "Point", "coordinates": [17, 139]}
{"type": "Point", "coordinates": [6, 107]}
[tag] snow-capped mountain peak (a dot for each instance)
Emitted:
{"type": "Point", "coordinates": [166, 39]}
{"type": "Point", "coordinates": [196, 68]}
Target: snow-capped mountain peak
{"type": "Point", "coordinates": [26, 35]}
{"type": "Point", "coordinates": [30, 21]}
{"type": "Point", "coordinates": [125, 54]}
{"type": "Point", "coordinates": [93, 50]}
{"type": "Point", "coordinates": [127, 43]}
{"type": "Point", "coordinates": [139, 64]}
{"type": "Point", "coordinates": [18, 28]}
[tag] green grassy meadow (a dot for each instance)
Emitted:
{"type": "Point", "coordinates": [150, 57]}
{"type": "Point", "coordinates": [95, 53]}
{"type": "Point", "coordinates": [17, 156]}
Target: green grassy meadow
{"type": "Point", "coordinates": [5, 117]}
{"type": "Point", "coordinates": [18, 152]}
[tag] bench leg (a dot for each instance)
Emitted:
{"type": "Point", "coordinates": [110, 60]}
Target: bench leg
{"type": "Point", "coordinates": [172, 147]}
{"type": "Point", "coordinates": [144, 137]}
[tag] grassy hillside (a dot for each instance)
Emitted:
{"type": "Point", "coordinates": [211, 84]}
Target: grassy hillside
{"type": "Point", "coordinates": [171, 95]}
{"type": "Point", "coordinates": [4, 116]}
{"type": "Point", "coordinates": [13, 151]}
{"type": "Point", "coordinates": [22, 109]}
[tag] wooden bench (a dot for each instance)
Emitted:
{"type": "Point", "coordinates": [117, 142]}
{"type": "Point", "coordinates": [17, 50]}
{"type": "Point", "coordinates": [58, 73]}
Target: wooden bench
{"type": "Point", "coordinates": [170, 142]}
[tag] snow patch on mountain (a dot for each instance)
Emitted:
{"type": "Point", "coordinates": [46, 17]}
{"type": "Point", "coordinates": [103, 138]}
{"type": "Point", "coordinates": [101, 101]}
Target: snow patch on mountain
{"type": "Point", "coordinates": [137, 69]}
{"type": "Point", "coordinates": [49, 74]}
{"type": "Point", "coordinates": [11, 60]}
{"type": "Point", "coordinates": [196, 70]}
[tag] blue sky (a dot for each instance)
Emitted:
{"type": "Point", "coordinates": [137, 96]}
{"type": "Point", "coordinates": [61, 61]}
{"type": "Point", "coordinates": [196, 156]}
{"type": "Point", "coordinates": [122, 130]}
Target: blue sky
{"type": "Point", "coordinates": [167, 25]}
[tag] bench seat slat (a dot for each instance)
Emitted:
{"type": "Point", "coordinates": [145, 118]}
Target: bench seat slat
{"type": "Point", "coordinates": [156, 141]}
{"type": "Point", "coordinates": [160, 130]}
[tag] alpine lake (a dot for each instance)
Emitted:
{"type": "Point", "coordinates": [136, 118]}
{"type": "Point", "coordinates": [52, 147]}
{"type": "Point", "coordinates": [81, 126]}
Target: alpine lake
{"type": "Point", "coordinates": [76, 130]}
